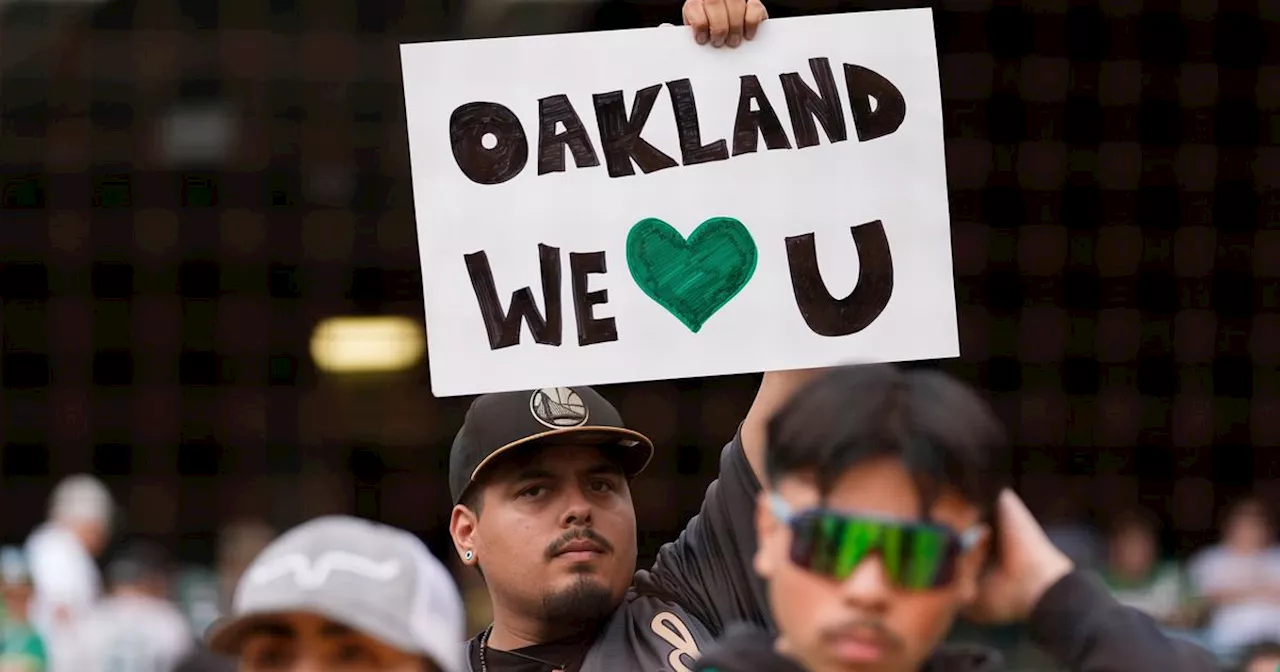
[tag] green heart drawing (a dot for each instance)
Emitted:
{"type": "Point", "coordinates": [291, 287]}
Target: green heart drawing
{"type": "Point", "coordinates": [691, 278]}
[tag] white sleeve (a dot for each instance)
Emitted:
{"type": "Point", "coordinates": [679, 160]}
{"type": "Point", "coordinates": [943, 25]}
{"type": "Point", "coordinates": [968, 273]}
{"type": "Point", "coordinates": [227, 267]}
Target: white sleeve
{"type": "Point", "coordinates": [179, 640]}
{"type": "Point", "coordinates": [1201, 571]}
{"type": "Point", "coordinates": [1273, 566]}
{"type": "Point", "coordinates": [58, 572]}
{"type": "Point", "coordinates": [93, 649]}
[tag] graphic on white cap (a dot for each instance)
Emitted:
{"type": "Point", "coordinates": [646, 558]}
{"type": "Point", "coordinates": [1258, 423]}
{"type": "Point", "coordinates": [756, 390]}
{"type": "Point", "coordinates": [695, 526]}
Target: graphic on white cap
{"type": "Point", "coordinates": [558, 407]}
{"type": "Point", "coordinates": [311, 575]}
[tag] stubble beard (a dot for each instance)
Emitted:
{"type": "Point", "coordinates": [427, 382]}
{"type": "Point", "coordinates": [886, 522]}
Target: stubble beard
{"type": "Point", "coordinates": [583, 604]}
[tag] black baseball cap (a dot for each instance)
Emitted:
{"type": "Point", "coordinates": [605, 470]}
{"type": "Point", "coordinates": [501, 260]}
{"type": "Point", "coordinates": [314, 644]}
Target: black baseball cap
{"type": "Point", "coordinates": [499, 423]}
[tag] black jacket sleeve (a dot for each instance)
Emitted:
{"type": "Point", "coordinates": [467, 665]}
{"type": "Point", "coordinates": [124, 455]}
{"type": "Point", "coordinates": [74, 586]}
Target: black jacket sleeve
{"type": "Point", "coordinates": [745, 648]}
{"type": "Point", "coordinates": [1083, 627]}
{"type": "Point", "coordinates": [708, 570]}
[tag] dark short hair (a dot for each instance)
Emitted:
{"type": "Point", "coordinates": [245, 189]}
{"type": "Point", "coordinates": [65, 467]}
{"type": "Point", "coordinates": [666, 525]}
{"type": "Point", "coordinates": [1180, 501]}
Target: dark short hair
{"type": "Point", "coordinates": [139, 561]}
{"type": "Point", "coordinates": [943, 433]}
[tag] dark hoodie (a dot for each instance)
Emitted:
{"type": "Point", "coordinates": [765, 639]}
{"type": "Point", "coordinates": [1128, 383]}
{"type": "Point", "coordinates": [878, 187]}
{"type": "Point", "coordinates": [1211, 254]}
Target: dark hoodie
{"type": "Point", "coordinates": [1077, 622]}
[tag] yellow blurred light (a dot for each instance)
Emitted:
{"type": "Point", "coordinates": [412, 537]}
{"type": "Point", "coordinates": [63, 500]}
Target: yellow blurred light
{"type": "Point", "coordinates": [367, 344]}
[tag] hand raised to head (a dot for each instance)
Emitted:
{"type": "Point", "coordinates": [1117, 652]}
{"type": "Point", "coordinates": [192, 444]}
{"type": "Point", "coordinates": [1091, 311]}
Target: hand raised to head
{"type": "Point", "coordinates": [1026, 565]}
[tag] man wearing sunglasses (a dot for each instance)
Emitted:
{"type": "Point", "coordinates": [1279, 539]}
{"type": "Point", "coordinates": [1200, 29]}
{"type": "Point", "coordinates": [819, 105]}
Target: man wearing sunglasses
{"type": "Point", "coordinates": [875, 533]}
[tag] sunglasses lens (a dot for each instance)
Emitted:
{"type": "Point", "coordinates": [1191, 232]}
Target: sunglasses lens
{"type": "Point", "coordinates": [914, 557]}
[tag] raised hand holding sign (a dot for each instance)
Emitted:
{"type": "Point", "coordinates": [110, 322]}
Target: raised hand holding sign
{"type": "Point", "coordinates": [724, 22]}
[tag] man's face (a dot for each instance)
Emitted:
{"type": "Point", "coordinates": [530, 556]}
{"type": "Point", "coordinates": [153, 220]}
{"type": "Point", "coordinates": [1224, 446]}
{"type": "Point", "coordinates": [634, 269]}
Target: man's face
{"type": "Point", "coordinates": [556, 535]}
{"type": "Point", "coordinates": [301, 642]}
{"type": "Point", "coordinates": [17, 599]}
{"type": "Point", "coordinates": [1247, 530]}
{"type": "Point", "coordinates": [93, 535]}
{"type": "Point", "coordinates": [1133, 551]}
{"type": "Point", "coordinates": [865, 622]}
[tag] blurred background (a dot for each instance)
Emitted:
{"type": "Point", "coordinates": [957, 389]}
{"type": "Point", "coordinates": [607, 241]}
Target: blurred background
{"type": "Point", "coordinates": [212, 293]}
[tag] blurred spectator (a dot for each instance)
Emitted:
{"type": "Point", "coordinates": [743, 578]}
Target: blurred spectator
{"type": "Point", "coordinates": [342, 593]}
{"type": "Point", "coordinates": [1068, 526]}
{"type": "Point", "coordinates": [1240, 579]}
{"type": "Point", "coordinates": [136, 628]}
{"type": "Point", "coordinates": [21, 649]}
{"type": "Point", "coordinates": [1262, 657]}
{"type": "Point", "coordinates": [61, 556]}
{"type": "Point", "coordinates": [238, 544]}
{"type": "Point", "coordinates": [196, 593]}
{"type": "Point", "coordinates": [1139, 578]}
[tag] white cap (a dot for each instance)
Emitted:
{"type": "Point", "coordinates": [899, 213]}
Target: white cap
{"type": "Point", "coordinates": [376, 579]}
{"type": "Point", "coordinates": [81, 498]}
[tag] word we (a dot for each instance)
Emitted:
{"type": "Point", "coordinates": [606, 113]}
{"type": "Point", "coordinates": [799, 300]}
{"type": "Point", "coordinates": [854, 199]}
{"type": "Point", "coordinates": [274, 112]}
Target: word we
{"type": "Point", "coordinates": [824, 314]}
{"type": "Point", "coordinates": [621, 130]}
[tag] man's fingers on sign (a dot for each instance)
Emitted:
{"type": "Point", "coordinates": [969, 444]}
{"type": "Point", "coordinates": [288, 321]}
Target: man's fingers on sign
{"type": "Point", "coordinates": [737, 11]}
{"type": "Point", "coordinates": [756, 14]}
{"type": "Point", "coordinates": [695, 16]}
{"type": "Point", "coordinates": [724, 22]}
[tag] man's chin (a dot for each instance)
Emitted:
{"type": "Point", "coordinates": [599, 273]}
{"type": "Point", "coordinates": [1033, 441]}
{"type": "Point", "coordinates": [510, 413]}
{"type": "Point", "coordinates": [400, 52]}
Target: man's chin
{"type": "Point", "coordinates": [580, 599]}
{"type": "Point", "coordinates": [852, 658]}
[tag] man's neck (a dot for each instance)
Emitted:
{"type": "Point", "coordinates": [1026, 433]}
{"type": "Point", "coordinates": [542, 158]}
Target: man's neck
{"type": "Point", "coordinates": [1246, 550]}
{"type": "Point", "coordinates": [510, 632]}
{"type": "Point", "coordinates": [1131, 575]}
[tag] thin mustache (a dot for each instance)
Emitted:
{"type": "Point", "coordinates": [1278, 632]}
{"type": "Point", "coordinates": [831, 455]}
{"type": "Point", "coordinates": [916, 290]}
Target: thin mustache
{"type": "Point", "coordinates": [875, 626]}
{"type": "Point", "coordinates": [576, 534]}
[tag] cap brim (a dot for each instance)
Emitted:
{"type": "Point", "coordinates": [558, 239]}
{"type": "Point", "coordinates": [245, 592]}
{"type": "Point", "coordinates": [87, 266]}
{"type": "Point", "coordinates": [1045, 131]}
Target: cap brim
{"type": "Point", "coordinates": [630, 449]}
{"type": "Point", "coordinates": [227, 635]}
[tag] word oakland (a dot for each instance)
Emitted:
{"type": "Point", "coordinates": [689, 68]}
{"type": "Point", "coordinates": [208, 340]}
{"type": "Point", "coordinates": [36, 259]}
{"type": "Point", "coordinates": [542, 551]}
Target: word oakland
{"type": "Point", "coordinates": [490, 144]}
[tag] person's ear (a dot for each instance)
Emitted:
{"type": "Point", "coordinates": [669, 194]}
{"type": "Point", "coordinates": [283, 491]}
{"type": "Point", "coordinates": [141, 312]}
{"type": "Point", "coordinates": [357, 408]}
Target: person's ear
{"type": "Point", "coordinates": [767, 536]}
{"type": "Point", "coordinates": [971, 566]}
{"type": "Point", "coordinates": [464, 528]}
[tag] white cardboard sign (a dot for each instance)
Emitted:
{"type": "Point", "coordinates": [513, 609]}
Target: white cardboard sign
{"type": "Point", "coordinates": [623, 206]}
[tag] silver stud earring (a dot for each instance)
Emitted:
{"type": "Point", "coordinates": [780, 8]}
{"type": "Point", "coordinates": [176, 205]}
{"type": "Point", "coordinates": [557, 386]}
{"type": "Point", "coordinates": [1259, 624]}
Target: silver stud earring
{"type": "Point", "coordinates": [468, 555]}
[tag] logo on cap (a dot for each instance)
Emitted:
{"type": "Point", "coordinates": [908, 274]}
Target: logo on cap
{"type": "Point", "coordinates": [558, 407]}
{"type": "Point", "coordinates": [312, 574]}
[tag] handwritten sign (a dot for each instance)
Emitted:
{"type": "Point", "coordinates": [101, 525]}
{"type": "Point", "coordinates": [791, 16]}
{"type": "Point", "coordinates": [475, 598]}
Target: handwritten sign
{"type": "Point", "coordinates": [695, 211]}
